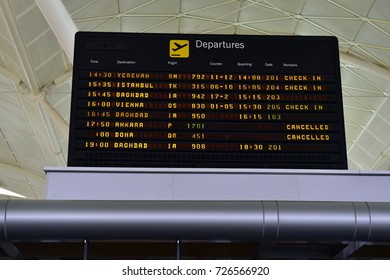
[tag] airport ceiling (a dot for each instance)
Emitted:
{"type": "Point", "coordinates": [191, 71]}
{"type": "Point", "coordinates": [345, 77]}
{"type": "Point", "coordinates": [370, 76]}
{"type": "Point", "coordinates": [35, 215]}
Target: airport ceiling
{"type": "Point", "coordinates": [35, 71]}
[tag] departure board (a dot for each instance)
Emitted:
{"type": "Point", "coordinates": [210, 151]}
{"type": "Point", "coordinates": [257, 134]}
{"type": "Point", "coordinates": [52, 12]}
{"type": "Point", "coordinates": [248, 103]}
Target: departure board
{"type": "Point", "coordinates": [206, 101]}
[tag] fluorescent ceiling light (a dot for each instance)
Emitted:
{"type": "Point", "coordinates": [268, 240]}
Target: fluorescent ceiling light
{"type": "Point", "coordinates": [9, 193]}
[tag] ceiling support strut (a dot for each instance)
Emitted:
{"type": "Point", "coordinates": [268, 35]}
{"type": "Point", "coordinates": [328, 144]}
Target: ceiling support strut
{"type": "Point", "coordinates": [60, 22]}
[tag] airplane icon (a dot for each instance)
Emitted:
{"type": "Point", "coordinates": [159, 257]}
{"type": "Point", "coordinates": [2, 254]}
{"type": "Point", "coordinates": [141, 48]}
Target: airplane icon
{"type": "Point", "coordinates": [178, 46]}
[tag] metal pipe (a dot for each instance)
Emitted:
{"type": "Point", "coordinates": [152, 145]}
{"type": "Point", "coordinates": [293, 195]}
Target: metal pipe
{"type": "Point", "coordinates": [194, 220]}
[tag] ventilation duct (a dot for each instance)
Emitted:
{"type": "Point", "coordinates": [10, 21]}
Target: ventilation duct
{"type": "Point", "coordinates": [194, 220]}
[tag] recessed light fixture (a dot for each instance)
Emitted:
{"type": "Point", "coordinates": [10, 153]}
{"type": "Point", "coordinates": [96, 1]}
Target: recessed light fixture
{"type": "Point", "coordinates": [9, 193]}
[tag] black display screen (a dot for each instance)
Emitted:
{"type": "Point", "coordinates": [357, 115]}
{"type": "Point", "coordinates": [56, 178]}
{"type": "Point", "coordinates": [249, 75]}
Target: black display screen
{"type": "Point", "coordinates": [200, 101]}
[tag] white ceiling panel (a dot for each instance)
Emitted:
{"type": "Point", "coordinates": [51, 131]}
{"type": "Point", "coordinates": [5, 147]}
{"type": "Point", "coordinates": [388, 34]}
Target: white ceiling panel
{"type": "Point", "coordinates": [21, 7]}
{"type": "Point", "coordinates": [9, 125]}
{"type": "Point", "coordinates": [352, 129]}
{"type": "Point", "coordinates": [156, 7]}
{"type": "Point", "coordinates": [46, 74]}
{"type": "Point", "coordinates": [11, 173]}
{"type": "Point", "coordinates": [355, 80]}
{"type": "Point", "coordinates": [112, 25]}
{"type": "Point", "coordinates": [190, 25]}
{"type": "Point", "coordinates": [358, 116]}
{"type": "Point", "coordinates": [385, 109]}
{"type": "Point", "coordinates": [43, 55]}
{"type": "Point", "coordinates": [8, 111]}
{"type": "Point", "coordinates": [155, 24]}
{"type": "Point", "coordinates": [372, 144]}
{"type": "Point", "coordinates": [9, 100]}
{"type": "Point", "coordinates": [380, 127]}
{"type": "Point", "coordinates": [6, 157]}
{"type": "Point", "coordinates": [379, 82]}
{"type": "Point", "coordinates": [11, 61]}
{"type": "Point", "coordinates": [167, 25]}
{"type": "Point", "coordinates": [5, 82]}
{"type": "Point", "coordinates": [94, 25]}
{"type": "Point", "coordinates": [27, 141]}
{"type": "Point", "coordinates": [324, 8]}
{"type": "Point", "coordinates": [369, 102]}
{"type": "Point", "coordinates": [61, 103]}
{"type": "Point", "coordinates": [93, 9]}
{"type": "Point", "coordinates": [292, 6]}
{"type": "Point", "coordinates": [357, 51]}
{"type": "Point", "coordinates": [31, 161]}
{"type": "Point", "coordinates": [357, 104]}
{"type": "Point", "coordinates": [248, 30]}
{"type": "Point", "coordinates": [380, 9]}
{"type": "Point", "coordinates": [359, 7]}
{"type": "Point", "coordinates": [351, 91]}
{"type": "Point", "coordinates": [191, 6]}
{"type": "Point", "coordinates": [370, 33]}
{"type": "Point", "coordinates": [74, 6]}
{"type": "Point", "coordinates": [3, 142]}
{"type": "Point", "coordinates": [343, 28]}
{"type": "Point", "coordinates": [253, 13]}
{"type": "Point", "coordinates": [305, 27]}
{"type": "Point", "coordinates": [384, 26]}
{"type": "Point", "coordinates": [31, 23]}
{"type": "Point", "coordinates": [381, 55]}
{"type": "Point", "coordinates": [361, 157]}
{"type": "Point", "coordinates": [353, 165]}
{"type": "Point", "coordinates": [227, 11]}
{"type": "Point", "coordinates": [288, 26]}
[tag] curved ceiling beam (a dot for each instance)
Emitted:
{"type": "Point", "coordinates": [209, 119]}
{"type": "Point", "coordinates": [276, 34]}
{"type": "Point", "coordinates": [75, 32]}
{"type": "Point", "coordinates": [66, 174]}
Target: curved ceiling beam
{"type": "Point", "coordinates": [20, 47]}
{"type": "Point", "coordinates": [365, 65]}
{"type": "Point", "coordinates": [60, 22]}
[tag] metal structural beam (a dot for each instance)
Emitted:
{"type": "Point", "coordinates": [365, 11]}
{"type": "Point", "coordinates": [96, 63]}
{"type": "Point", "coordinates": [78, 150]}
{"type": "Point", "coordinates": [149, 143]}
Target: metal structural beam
{"type": "Point", "coordinates": [57, 119]}
{"type": "Point", "coordinates": [31, 88]}
{"type": "Point", "coordinates": [60, 22]}
{"type": "Point", "coordinates": [194, 220]}
{"type": "Point", "coordinates": [20, 47]}
{"type": "Point", "coordinates": [11, 250]}
{"type": "Point", "coordinates": [351, 248]}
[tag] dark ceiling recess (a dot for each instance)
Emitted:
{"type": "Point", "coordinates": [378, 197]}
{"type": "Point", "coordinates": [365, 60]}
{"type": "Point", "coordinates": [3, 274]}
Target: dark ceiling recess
{"type": "Point", "coordinates": [195, 250]}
